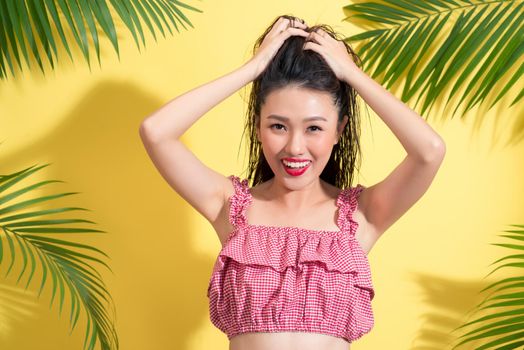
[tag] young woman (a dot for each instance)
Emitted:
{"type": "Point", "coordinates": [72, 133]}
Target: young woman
{"type": "Point", "coordinates": [293, 270]}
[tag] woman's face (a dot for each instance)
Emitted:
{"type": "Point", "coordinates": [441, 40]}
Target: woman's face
{"type": "Point", "coordinates": [298, 123]}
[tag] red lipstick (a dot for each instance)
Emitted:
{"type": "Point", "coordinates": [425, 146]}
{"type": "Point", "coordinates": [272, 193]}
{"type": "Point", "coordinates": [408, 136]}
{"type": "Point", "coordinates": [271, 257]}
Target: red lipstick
{"type": "Point", "coordinates": [295, 171]}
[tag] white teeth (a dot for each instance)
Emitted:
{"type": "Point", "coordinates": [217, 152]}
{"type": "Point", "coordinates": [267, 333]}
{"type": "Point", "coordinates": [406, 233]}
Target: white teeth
{"type": "Point", "coordinates": [295, 164]}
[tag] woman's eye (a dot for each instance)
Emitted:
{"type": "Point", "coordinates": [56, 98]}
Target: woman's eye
{"type": "Point", "coordinates": [314, 126]}
{"type": "Point", "coordinates": [273, 126]}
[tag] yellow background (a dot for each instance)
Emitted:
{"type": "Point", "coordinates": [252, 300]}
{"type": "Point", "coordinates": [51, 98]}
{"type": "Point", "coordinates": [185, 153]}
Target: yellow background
{"type": "Point", "coordinates": [427, 268]}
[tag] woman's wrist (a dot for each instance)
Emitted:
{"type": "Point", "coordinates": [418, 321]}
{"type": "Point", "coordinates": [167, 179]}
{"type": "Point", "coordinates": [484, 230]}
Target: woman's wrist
{"type": "Point", "coordinates": [353, 74]}
{"type": "Point", "coordinates": [251, 67]}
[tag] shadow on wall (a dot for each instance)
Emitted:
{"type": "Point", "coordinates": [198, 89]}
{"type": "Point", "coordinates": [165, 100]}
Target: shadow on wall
{"type": "Point", "coordinates": [449, 304]}
{"type": "Point", "coordinates": [158, 285]}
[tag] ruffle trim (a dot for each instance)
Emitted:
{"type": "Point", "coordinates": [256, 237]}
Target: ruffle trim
{"type": "Point", "coordinates": [336, 251]}
{"type": "Point", "coordinates": [347, 204]}
{"type": "Point", "coordinates": [239, 201]}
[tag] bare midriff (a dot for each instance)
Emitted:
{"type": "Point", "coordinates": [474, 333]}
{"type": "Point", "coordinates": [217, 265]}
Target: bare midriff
{"type": "Point", "coordinates": [288, 341]}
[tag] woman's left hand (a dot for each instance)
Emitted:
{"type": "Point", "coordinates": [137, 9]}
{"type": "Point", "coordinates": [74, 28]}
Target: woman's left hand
{"type": "Point", "coordinates": [333, 51]}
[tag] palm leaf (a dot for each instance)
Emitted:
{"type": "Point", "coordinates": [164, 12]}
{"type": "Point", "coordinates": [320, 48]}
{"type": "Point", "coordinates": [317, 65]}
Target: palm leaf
{"type": "Point", "coordinates": [487, 35]}
{"type": "Point", "coordinates": [506, 327]}
{"type": "Point", "coordinates": [67, 263]}
{"type": "Point", "coordinates": [17, 19]}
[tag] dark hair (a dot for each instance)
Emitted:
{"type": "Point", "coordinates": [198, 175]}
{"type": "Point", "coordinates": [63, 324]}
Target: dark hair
{"type": "Point", "coordinates": [306, 69]}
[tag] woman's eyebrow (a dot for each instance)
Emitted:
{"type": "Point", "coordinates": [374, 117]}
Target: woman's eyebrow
{"type": "Point", "coordinates": [279, 117]}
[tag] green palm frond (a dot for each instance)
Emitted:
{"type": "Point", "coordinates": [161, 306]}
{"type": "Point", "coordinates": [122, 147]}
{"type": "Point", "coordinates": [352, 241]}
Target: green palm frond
{"type": "Point", "coordinates": [487, 35]}
{"type": "Point", "coordinates": [19, 17]}
{"type": "Point", "coordinates": [66, 263]}
{"type": "Point", "coordinates": [506, 330]}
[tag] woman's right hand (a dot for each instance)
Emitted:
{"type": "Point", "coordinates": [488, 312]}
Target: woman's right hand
{"type": "Point", "coordinates": [280, 31]}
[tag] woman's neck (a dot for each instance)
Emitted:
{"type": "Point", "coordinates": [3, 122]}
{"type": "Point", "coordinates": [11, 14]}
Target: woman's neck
{"type": "Point", "coordinates": [298, 198]}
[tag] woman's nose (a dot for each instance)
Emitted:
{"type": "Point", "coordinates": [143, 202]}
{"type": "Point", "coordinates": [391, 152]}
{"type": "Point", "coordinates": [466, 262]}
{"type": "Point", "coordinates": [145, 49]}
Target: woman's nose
{"type": "Point", "coordinates": [295, 144]}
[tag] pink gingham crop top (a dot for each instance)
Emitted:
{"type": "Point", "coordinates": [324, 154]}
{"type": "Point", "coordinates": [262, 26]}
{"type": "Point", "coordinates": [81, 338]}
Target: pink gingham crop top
{"type": "Point", "coordinates": [271, 279]}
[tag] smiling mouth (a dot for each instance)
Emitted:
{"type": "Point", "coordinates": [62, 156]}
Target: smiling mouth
{"type": "Point", "coordinates": [295, 165]}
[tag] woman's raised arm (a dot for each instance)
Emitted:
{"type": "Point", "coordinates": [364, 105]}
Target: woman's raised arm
{"type": "Point", "coordinates": [202, 187]}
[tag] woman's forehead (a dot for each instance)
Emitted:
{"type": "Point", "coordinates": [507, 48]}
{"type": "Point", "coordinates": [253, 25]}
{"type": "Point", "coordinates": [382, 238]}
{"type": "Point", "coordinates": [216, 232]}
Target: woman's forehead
{"type": "Point", "coordinates": [291, 103]}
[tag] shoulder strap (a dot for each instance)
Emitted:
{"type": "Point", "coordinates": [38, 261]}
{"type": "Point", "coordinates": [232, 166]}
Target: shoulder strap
{"type": "Point", "coordinates": [347, 204]}
{"type": "Point", "coordinates": [239, 201]}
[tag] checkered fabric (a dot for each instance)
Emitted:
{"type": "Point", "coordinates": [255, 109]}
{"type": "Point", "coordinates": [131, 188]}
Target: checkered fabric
{"type": "Point", "coordinates": [275, 279]}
